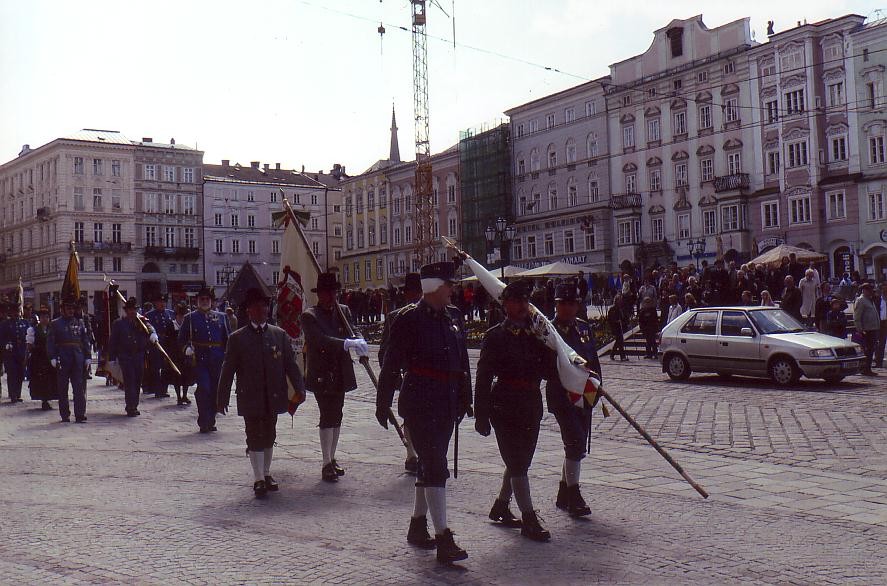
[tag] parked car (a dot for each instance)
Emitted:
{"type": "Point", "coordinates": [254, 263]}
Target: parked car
{"type": "Point", "coordinates": [754, 341]}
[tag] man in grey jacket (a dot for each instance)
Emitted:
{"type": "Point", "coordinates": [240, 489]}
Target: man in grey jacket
{"type": "Point", "coordinates": [263, 359]}
{"type": "Point", "coordinates": [868, 323]}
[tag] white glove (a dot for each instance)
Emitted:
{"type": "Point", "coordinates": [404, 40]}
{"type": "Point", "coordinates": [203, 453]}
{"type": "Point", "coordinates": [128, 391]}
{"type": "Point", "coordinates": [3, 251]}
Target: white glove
{"type": "Point", "coordinates": [9, 346]}
{"type": "Point", "coordinates": [29, 336]}
{"type": "Point", "coordinates": [54, 363]}
{"type": "Point", "coordinates": [359, 345]}
{"type": "Point", "coordinates": [153, 338]}
{"type": "Point", "coordinates": [88, 362]}
{"type": "Point", "coordinates": [189, 351]}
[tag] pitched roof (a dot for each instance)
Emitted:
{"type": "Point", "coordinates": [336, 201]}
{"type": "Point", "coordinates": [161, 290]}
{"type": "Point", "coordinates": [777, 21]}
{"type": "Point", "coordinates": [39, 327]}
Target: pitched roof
{"type": "Point", "coordinates": [251, 174]}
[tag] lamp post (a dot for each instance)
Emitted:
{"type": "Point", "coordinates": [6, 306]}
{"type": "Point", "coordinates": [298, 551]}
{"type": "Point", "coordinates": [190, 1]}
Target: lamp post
{"type": "Point", "coordinates": [697, 249]}
{"type": "Point", "coordinates": [501, 232]}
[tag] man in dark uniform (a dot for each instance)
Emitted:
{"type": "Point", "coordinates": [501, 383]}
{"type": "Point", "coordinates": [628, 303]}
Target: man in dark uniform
{"type": "Point", "coordinates": [68, 347]}
{"type": "Point", "coordinates": [204, 334]}
{"type": "Point", "coordinates": [428, 346]}
{"type": "Point", "coordinates": [412, 291]}
{"type": "Point", "coordinates": [162, 320]}
{"type": "Point", "coordinates": [574, 422]}
{"type": "Point", "coordinates": [330, 371]}
{"type": "Point", "coordinates": [262, 357]}
{"type": "Point", "coordinates": [13, 339]}
{"type": "Point", "coordinates": [127, 346]}
{"type": "Point", "coordinates": [518, 360]}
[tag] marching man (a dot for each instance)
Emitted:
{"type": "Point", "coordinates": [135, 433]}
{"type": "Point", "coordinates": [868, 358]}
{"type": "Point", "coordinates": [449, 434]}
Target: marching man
{"type": "Point", "coordinates": [13, 337]}
{"type": "Point", "coordinates": [69, 349]}
{"type": "Point", "coordinates": [262, 357]}
{"type": "Point", "coordinates": [127, 346]}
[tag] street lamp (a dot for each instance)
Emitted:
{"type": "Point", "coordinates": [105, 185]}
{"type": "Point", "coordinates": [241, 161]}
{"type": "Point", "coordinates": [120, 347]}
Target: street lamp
{"type": "Point", "coordinates": [697, 249]}
{"type": "Point", "coordinates": [502, 232]}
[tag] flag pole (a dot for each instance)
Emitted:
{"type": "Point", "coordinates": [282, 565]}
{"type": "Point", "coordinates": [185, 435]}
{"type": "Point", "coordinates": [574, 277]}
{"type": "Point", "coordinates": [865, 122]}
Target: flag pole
{"type": "Point", "coordinates": [364, 360]}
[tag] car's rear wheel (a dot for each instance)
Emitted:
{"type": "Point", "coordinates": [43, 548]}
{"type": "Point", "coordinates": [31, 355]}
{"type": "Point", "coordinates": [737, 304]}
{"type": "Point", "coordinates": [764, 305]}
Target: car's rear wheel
{"type": "Point", "coordinates": [833, 380]}
{"type": "Point", "coordinates": [677, 367]}
{"type": "Point", "coordinates": [784, 372]}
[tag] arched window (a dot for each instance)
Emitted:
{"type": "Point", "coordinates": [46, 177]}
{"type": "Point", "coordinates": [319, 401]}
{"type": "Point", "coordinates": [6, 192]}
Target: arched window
{"type": "Point", "coordinates": [572, 193]}
{"type": "Point", "coordinates": [552, 196]}
{"type": "Point", "coordinates": [552, 156]}
{"type": "Point", "coordinates": [535, 164]}
{"type": "Point", "coordinates": [571, 151]}
{"type": "Point", "coordinates": [591, 145]}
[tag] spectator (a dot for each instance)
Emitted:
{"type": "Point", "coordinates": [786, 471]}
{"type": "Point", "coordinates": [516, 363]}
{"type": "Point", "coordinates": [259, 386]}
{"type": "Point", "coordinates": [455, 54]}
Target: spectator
{"type": "Point", "coordinates": [690, 302]}
{"type": "Point", "coordinates": [674, 309]}
{"type": "Point", "coordinates": [746, 299]}
{"type": "Point", "coordinates": [809, 288]}
{"type": "Point", "coordinates": [616, 320]}
{"type": "Point", "coordinates": [791, 298]}
{"type": "Point", "coordinates": [834, 322]}
{"type": "Point", "coordinates": [881, 304]}
{"type": "Point", "coordinates": [868, 323]}
{"type": "Point", "coordinates": [648, 320]}
{"type": "Point", "coordinates": [766, 299]}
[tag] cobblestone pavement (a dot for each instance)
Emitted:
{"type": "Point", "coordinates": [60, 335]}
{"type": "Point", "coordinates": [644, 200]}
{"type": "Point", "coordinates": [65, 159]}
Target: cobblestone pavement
{"type": "Point", "coordinates": [798, 480]}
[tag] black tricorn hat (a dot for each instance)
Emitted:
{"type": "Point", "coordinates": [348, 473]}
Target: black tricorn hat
{"type": "Point", "coordinates": [253, 295]}
{"type": "Point", "coordinates": [412, 282]}
{"type": "Point", "coordinates": [326, 282]}
{"type": "Point", "coordinates": [440, 270]}
{"type": "Point", "coordinates": [566, 292]}
{"type": "Point", "coordinates": [207, 292]}
{"type": "Point", "coordinates": [519, 289]}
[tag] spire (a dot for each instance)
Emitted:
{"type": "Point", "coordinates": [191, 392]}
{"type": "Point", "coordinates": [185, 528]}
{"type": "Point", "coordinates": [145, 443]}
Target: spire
{"type": "Point", "coordinates": [394, 152]}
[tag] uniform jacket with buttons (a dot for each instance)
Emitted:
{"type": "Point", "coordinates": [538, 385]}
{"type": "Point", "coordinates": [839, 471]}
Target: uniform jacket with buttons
{"type": "Point", "coordinates": [330, 368]}
{"type": "Point", "coordinates": [128, 339]}
{"type": "Point", "coordinates": [67, 337]}
{"type": "Point", "coordinates": [14, 331]}
{"type": "Point", "coordinates": [263, 362]}
{"type": "Point", "coordinates": [202, 329]}
{"type": "Point", "coordinates": [580, 337]}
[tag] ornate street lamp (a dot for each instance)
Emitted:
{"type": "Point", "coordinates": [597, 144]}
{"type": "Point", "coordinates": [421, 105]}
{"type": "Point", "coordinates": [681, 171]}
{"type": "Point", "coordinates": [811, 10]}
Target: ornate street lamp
{"type": "Point", "coordinates": [697, 249]}
{"type": "Point", "coordinates": [501, 232]}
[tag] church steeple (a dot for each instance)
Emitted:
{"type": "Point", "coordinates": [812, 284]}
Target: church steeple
{"type": "Point", "coordinates": [394, 152]}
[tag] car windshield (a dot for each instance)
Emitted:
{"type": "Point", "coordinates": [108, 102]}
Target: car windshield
{"type": "Point", "coordinates": [775, 321]}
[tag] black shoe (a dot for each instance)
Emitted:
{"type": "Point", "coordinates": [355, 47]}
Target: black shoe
{"type": "Point", "coordinates": [447, 550]}
{"type": "Point", "coordinates": [576, 505]}
{"type": "Point", "coordinates": [213, 428]}
{"type": "Point", "coordinates": [133, 413]}
{"type": "Point", "coordinates": [561, 501]}
{"type": "Point", "coordinates": [66, 420]}
{"type": "Point", "coordinates": [271, 484]}
{"type": "Point", "coordinates": [418, 533]}
{"type": "Point", "coordinates": [205, 430]}
{"type": "Point", "coordinates": [186, 400]}
{"type": "Point", "coordinates": [45, 406]}
{"type": "Point", "coordinates": [868, 373]}
{"type": "Point", "coordinates": [259, 488]}
{"type": "Point", "coordinates": [339, 470]}
{"type": "Point", "coordinates": [532, 528]}
{"type": "Point", "coordinates": [328, 473]}
{"type": "Point", "coordinates": [411, 465]}
{"type": "Point", "coordinates": [502, 514]}
{"type": "Point", "coordinates": [80, 420]}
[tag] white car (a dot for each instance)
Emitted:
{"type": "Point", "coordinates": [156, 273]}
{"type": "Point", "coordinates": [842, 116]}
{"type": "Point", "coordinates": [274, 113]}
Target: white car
{"type": "Point", "coordinates": [753, 341]}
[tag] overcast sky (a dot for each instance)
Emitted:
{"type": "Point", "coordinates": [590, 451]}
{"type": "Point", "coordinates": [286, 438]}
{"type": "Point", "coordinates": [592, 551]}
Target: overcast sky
{"type": "Point", "coordinates": [309, 82]}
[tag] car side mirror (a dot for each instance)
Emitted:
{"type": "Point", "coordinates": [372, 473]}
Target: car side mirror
{"type": "Point", "coordinates": [747, 332]}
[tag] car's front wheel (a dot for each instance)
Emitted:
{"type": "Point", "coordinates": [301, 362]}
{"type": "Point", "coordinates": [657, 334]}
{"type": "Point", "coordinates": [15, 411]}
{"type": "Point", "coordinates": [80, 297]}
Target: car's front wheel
{"type": "Point", "coordinates": [784, 372]}
{"type": "Point", "coordinates": [677, 367]}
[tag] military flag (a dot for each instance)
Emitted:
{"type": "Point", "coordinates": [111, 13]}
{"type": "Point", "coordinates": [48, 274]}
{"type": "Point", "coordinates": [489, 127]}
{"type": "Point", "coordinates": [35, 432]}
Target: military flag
{"type": "Point", "coordinates": [71, 284]}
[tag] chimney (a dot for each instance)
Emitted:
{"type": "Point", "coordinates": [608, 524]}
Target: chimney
{"type": "Point", "coordinates": [267, 166]}
{"type": "Point", "coordinates": [172, 141]}
{"type": "Point", "coordinates": [254, 164]}
{"type": "Point", "coordinates": [303, 168]}
{"type": "Point", "coordinates": [277, 166]}
{"type": "Point", "coordinates": [147, 139]}
{"type": "Point", "coordinates": [226, 162]}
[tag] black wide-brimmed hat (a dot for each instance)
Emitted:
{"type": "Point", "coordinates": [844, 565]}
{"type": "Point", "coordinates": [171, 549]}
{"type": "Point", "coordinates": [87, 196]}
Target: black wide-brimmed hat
{"type": "Point", "coordinates": [412, 282]}
{"type": "Point", "coordinates": [566, 292]}
{"type": "Point", "coordinates": [446, 271]}
{"type": "Point", "coordinates": [327, 282]}
{"type": "Point", "coordinates": [519, 289]}
{"type": "Point", "coordinates": [253, 295]}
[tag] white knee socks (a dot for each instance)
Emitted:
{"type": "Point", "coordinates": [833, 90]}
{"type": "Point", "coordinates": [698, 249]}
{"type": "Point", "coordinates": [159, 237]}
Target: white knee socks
{"type": "Point", "coordinates": [420, 505]}
{"type": "Point", "coordinates": [411, 453]}
{"type": "Point", "coordinates": [521, 487]}
{"type": "Point", "coordinates": [437, 507]}
{"type": "Point", "coordinates": [267, 466]}
{"type": "Point", "coordinates": [335, 442]}
{"type": "Point", "coordinates": [571, 471]}
{"type": "Point", "coordinates": [505, 492]}
{"type": "Point", "coordinates": [326, 443]}
{"type": "Point", "coordinates": [257, 459]}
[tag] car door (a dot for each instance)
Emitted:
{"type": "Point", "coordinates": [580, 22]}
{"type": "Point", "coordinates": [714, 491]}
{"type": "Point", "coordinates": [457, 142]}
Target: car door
{"type": "Point", "coordinates": [698, 339]}
{"type": "Point", "coordinates": [739, 347]}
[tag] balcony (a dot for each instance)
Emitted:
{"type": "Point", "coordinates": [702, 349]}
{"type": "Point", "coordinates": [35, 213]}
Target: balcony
{"type": "Point", "coordinates": [104, 247]}
{"type": "Point", "coordinates": [178, 252]}
{"type": "Point", "coordinates": [625, 200]}
{"type": "Point", "coordinates": [731, 182]}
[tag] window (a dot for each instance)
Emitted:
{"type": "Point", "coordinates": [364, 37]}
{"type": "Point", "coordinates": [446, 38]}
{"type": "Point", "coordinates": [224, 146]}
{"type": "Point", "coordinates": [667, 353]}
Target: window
{"type": "Point", "coordinates": [250, 221]}
{"type": "Point", "coordinates": [705, 117]}
{"type": "Point", "coordinates": [791, 61]}
{"type": "Point", "coordinates": [531, 247]}
{"type": "Point", "coordinates": [521, 130]}
{"type": "Point", "coordinates": [772, 108]}
{"type": "Point", "coordinates": [653, 130]}
{"type": "Point", "coordinates": [701, 77]}
{"type": "Point", "coordinates": [590, 108]}
{"type": "Point", "coordinates": [150, 236]}
{"type": "Point", "coordinates": [799, 210]}
{"type": "Point", "coordinates": [97, 198]}
{"type": "Point", "coordinates": [569, 115]}
{"type": "Point", "coordinates": [251, 246]}
{"type": "Point", "coordinates": [273, 197]}
{"type": "Point", "coordinates": [734, 163]}
{"type": "Point", "coordinates": [680, 175]}
{"type": "Point", "coordinates": [876, 206]}
{"type": "Point", "coordinates": [521, 167]}
{"type": "Point", "coordinates": [116, 233]}
{"type": "Point", "coordinates": [571, 151]}
{"type": "Point", "coordinates": [275, 247]}
{"type": "Point", "coordinates": [836, 205]}
{"type": "Point", "coordinates": [151, 203]}
{"type": "Point", "coordinates": [572, 195]}
{"type": "Point", "coordinates": [97, 167]}
{"type": "Point", "coordinates": [768, 70]}
{"type": "Point", "coordinates": [623, 232]}
{"type": "Point", "coordinates": [839, 148]}
{"type": "Point", "coordinates": [836, 94]}
{"type": "Point", "coordinates": [630, 183]}
{"type": "Point", "coordinates": [218, 219]}
{"type": "Point", "coordinates": [117, 264]}
{"type": "Point", "coordinates": [219, 246]}
{"type": "Point", "coordinates": [683, 226]}
{"type": "Point", "coordinates": [707, 169]}
{"type": "Point", "coordinates": [794, 102]}
{"type": "Point", "coordinates": [657, 229]}
{"type": "Point", "coordinates": [170, 237]}
{"type": "Point", "coordinates": [78, 231]}
{"type": "Point", "coordinates": [396, 232]}
{"type": "Point", "coordinates": [549, 121]}
{"type": "Point", "coordinates": [534, 126]}
{"type": "Point", "coordinates": [190, 241]}
{"type": "Point", "coordinates": [116, 199]}
{"type": "Point", "coordinates": [150, 172]}
{"type": "Point", "coordinates": [78, 165]}
{"type": "Point", "coordinates": [704, 322]}
{"type": "Point", "coordinates": [569, 245]}
{"type": "Point", "coordinates": [871, 97]}
{"type": "Point", "coordinates": [517, 249]}
{"type": "Point", "coordinates": [451, 227]}
{"type": "Point", "coordinates": [628, 137]}
{"type": "Point", "coordinates": [235, 220]}
{"type": "Point", "coordinates": [552, 197]}
{"type": "Point", "coordinates": [709, 222]}
{"type": "Point", "coordinates": [733, 322]}
{"type": "Point", "coordinates": [876, 150]}
{"type": "Point", "coordinates": [770, 214]}
{"type": "Point", "coordinates": [169, 203]}
{"type": "Point", "coordinates": [677, 84]}
{"type": "Point", "coordinates": [731, 110]}
{"type": "Point", "coordinates": [594, 194]}
{"type": "Point", "coordinates": [169, 174]}
{"type": "Point", "coordinates": [408, 234]}
{"type": "Point", "coordinates": [188, 205]}
{"type": "Point", "coordinates": [78, 198]}
{"type": "Point", "coordinates": [772, 162]}
{"type": "Point", "coordinates": [679, 123]}
{"type": "Point", "coordinates": [115, 168]}
{"type": "Point", "coordinates": [235, 246]}
{"type": "Point", "coordinates": [188, 175]}
{"type": "Point", "coordinates": [552, 158]}
{"type": "Point", "coordinates": [590, 240]}
{"type": "Point", "coordinates": [451, 194]}
{"type": "Point", "coordinates": [730, 218]}
{"type": "Point", "coordinates": [549, 244]}
{"type": "Point", "coordinates": [98, 232]}
{"type": "Point", "coordinates": [655, 180]}
{"type": "Point", "coordinates": [797, 154]}
{"type": "Point", "coordinates": [98, 264]}
{"type": "Point", "coordinates": [729, 67]}
{"type": "Point", "coordinates": [626, 100]}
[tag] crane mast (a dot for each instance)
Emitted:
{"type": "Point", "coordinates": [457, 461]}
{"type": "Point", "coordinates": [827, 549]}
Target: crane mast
{"type": "Point", "coordinates": [424, 210]}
